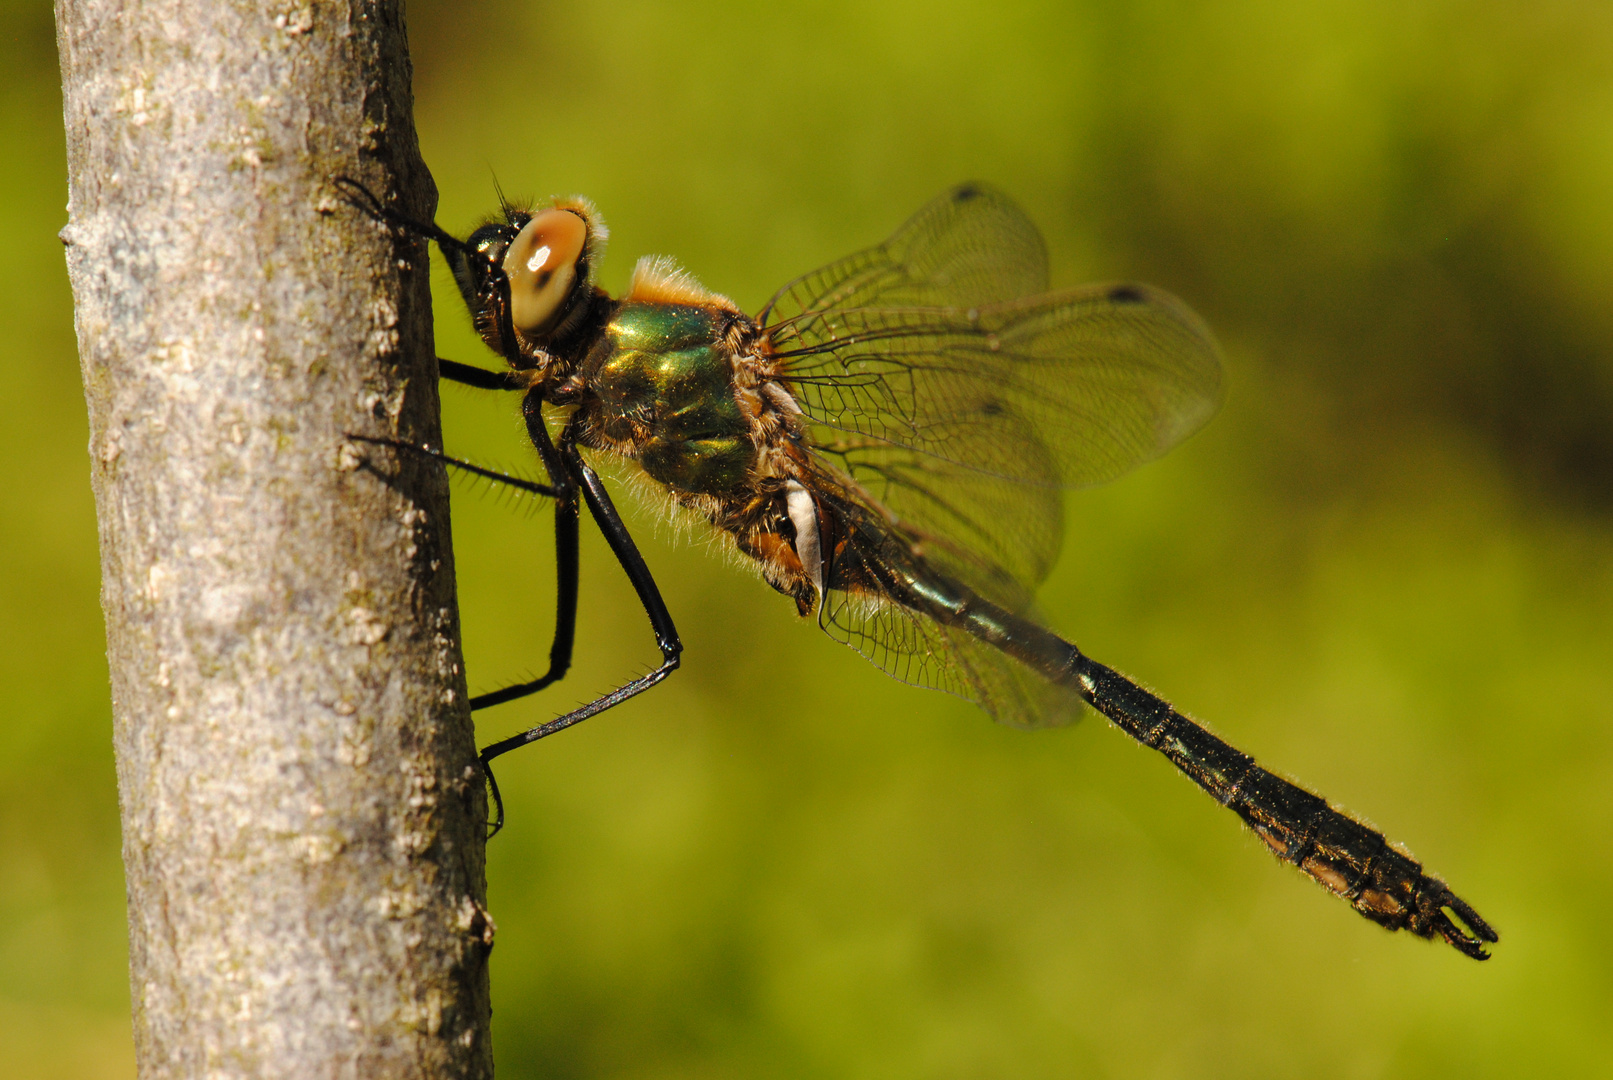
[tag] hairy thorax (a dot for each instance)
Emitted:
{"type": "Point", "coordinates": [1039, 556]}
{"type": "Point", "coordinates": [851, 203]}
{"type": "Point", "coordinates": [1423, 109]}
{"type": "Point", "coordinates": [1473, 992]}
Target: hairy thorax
{"type": "Point", "coordinates": [683, 383]}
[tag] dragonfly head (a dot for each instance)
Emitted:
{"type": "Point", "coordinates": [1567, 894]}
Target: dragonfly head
{"type": "Point", "coordinates": [548, 258]}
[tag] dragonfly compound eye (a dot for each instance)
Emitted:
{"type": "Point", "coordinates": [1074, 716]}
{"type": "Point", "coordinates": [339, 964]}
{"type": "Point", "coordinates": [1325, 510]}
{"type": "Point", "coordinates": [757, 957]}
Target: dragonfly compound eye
{"type": "Point", "coordinates": [542, 263]}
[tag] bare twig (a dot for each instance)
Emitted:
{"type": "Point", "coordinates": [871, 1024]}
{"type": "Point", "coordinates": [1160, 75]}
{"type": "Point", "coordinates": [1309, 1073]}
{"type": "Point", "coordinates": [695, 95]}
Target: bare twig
{"type": "Point", "coordinates": [302, 818]}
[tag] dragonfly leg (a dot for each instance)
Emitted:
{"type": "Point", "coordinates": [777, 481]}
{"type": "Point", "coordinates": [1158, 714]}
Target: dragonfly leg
{"type": "Point", "coordinates": [565, 633]}
{"type": "Point", "coordinates": [371, 205]}
{"type": "Point", "coordinates": [481, 378]}
{"type": "Point", "coordinates": [621, 543]}
{"type": "Point", "coordinates": [548, 491]}
{"type": "Point", "coordinates": [1349, 859]}
{"type": "Point", "coordinates": [563, 489]}
{"type": "Point", "coordinates": [565, 622]}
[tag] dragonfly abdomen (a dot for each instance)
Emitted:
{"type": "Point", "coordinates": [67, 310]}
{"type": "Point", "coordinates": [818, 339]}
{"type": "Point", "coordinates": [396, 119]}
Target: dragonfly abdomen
{"type": "Point", "coordinates": [1348, 858]}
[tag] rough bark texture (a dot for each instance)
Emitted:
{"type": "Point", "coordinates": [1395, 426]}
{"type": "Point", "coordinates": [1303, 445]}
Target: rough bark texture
{"type": "Point", "coordinates": [302, 816]}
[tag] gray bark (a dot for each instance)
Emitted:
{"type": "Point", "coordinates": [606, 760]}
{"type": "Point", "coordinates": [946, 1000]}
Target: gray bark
{"type": "Point", "coordinates": [302, 813]}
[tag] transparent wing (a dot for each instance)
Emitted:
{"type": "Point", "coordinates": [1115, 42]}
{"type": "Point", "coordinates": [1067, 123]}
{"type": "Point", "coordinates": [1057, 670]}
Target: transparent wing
{"type": "Point", "coordinates": [997, 537]}
{"type": "Point", "coordinates": [953, 399]}
{"type": "Point", "coordinates": [890, 600]}
{"type": "Point", "coordinates": [970, 245]}
{"type": "Point", "coordinates": [1103, 377]}
{"type": "Point", "coordinates": [918, 651]}
{"type": "Point", "coordinates": [964, 423]}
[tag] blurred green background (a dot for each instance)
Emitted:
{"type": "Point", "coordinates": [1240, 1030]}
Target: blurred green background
{"type": "Point", "coordinates": [1386, 568]}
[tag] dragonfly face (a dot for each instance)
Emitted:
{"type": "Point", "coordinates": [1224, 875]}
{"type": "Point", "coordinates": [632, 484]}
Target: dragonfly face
{"type": "Point", "coordinates": [888, 440]}
{"type": "Point", "coordinates": [537, 267]}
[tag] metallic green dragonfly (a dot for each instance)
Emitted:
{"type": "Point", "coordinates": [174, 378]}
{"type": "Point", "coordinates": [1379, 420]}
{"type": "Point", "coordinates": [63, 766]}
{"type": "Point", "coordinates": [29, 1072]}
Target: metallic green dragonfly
{"type": "Point", "coordinates": [888, 441]}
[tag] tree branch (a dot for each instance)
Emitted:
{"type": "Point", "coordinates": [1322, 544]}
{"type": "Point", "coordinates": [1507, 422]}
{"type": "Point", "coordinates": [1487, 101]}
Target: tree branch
{"type": "Point", "coordinates": [302, 814]}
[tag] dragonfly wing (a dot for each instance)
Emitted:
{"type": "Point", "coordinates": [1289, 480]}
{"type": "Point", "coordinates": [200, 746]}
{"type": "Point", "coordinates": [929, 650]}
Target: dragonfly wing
{"type": "Point", "coordinates": [1103, 377]}
{"type": "Point", "coordinates": [997, 537]}
{"type": "Point", "coordinates": [916, 650]}
{"type": "Point", "coordinates": [889, 597]}
{"type": "Point", "coordinates": [970, 245]}
{"type": "Point", "coordinates": [952, 399]}
{"type": "Point", "coordinates": [963, 424]}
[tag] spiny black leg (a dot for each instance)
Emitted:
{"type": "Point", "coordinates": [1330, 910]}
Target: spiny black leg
{"type": "Point", "coordinates": [666, 634]}
{"type": "Point", "coordinates": [564, 487]}
{"type": "Point", "coordinates": [481, 378]}
{"type": "Point", "coordinates": [370, 204]}
{"type": "Point", "coordinates": [565, 631]}
{"type": "Point", "coordinates": [566, 567]}
{"type": "Point", "coordinates": [626, 552]}
{"type": "Point", "coordinates": [565, 622]}
{"type": "Point", "coordinates": [546, 490]}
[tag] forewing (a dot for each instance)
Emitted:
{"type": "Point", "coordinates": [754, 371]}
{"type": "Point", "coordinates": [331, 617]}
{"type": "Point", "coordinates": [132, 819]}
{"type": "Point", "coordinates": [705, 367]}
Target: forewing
{"type": "Point", "coordinates": [963, 424]}
{"type": "Point", "coordinates": [970, 245]}
{"type": "Point", "coordinates": [1103, 377]}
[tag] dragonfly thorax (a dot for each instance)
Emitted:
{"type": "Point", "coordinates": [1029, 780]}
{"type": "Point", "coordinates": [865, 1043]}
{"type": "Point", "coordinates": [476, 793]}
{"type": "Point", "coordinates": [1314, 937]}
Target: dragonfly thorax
{"type": "Point", "coordinates": [678, 381]}
{"type": "Point", "coordinates": [660, 389]}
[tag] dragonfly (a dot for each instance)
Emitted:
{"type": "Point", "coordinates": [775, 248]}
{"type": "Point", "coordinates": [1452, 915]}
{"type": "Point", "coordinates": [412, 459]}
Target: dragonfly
{"type": "Point", "coordinates": [888, 442]}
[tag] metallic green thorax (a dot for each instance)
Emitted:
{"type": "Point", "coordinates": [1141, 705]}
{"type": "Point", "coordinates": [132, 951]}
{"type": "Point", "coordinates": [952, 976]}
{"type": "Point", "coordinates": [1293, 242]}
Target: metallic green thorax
{"type": "Point", "coordinates": [663, 383]}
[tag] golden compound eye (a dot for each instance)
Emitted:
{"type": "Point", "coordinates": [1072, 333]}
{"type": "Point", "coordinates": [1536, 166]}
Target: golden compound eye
{"type": "Point", "coordinates": [542, 265]}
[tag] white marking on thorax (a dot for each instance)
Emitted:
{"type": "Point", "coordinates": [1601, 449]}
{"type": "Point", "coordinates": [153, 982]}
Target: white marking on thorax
{"type": "Point", "coordinates": [781, 397]}
{"type": "Point", "coordinates": [804, 516]}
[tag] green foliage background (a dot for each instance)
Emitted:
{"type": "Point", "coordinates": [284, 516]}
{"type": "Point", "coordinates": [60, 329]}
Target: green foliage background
{"type": "Point", "coordinates": [1386, 568]}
